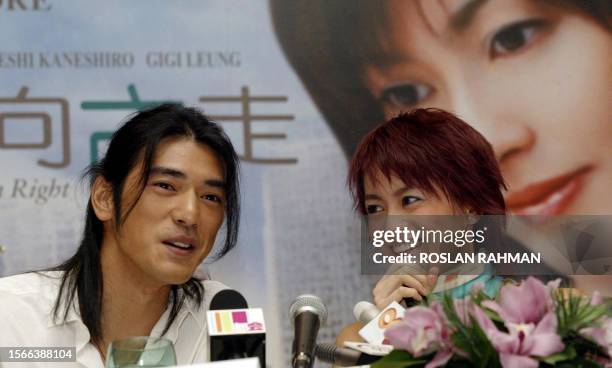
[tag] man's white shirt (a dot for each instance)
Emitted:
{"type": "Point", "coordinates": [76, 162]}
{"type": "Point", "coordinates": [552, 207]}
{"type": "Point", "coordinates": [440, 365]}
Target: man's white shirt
{"type": "Point", "coordinates": [26, 320]}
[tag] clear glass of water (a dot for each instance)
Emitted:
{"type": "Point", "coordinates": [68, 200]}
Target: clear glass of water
{"type": "Point", "coordinates": [140, 351]}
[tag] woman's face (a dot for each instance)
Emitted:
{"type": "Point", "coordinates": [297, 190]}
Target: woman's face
{"type": "Point", "coordinates": [533, 78]}
{"type": "Point", "coordinates": [389, 204]}
{"type": "Point", "coordinates": [391, 197]}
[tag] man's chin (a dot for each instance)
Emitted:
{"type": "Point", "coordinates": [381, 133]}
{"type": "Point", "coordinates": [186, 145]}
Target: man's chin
{"type": "Point", "coordinates": [174, 277]}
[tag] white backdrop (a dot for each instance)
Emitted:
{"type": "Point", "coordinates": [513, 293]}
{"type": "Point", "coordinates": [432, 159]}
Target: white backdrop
{"type": "Point", "coordinates": [72, 70]}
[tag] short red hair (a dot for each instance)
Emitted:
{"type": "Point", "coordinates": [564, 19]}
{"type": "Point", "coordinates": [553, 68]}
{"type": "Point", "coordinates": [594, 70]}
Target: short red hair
{"type": "Point", "coordinates": [431, 149]}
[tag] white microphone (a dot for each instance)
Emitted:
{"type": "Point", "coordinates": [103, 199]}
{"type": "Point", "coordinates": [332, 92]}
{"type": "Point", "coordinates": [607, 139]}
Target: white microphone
{"type": "Point", "coordinates": [364, 312]}
{"type": "Point", "coordinates": [374, 330]}
{"type": "Point", "coordinates": [307, 313]}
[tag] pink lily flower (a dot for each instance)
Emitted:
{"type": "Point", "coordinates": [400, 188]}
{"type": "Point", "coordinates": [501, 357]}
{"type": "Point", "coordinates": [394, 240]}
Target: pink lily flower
{"type": "Point", "coordinates": [423, 331]}
{"type": "Point", "coordinates": [596, 298]}
{"type": "Point", "coordinates": [602, 335]}
{"type": "Point", "coordinates": [528, 313]}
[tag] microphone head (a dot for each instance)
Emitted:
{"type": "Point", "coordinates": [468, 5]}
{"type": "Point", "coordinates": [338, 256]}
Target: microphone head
{"type": "Point", "coordinates": [228, 299]}
{"type": "Point", "coordinates": [308, 303]}
{"type": "Point", "coordinates": [364, 312]}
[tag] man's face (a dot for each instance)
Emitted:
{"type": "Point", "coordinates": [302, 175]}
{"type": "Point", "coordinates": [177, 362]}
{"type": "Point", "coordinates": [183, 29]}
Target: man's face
{"type": "Point", "coordinates": [173, 225]}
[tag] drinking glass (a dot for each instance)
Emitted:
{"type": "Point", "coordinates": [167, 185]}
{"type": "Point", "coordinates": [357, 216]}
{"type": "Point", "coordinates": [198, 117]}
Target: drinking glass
{"type": "Point", "coordinates": [140, 351]}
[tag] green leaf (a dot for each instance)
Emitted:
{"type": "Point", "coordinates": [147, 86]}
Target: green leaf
{"type": "Point", "coordinates": [399, 359]}
{"type": "Point", "coordinates": [593, 313]}
{"type": "Point", "coordinates": [493, 315]}
{"type": "Point", "coordinates": [575, 312]}
{"type": "Point", "coordinates": [579, 363]}
{"type": "Point", "coordinates": [488, 356]}
{"type": "Point", "coordinates": [461, 341]}
{"type": "Point", "coordinates": [459, 363]}
{"type": "Point", "coordinates": [567, 354]}
{"type": "Point", "coordinates": [584, 347]}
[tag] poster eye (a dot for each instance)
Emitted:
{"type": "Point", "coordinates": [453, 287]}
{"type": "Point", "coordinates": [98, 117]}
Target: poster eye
{"type": "Point", "coordinates": [514, 37]}
{"type": "Point", "coordinates": [405, 94]}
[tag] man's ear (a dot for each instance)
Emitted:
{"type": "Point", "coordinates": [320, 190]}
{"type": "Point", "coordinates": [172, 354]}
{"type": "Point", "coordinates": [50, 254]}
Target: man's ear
{"type": "Point", "coordinates": [102, 199]}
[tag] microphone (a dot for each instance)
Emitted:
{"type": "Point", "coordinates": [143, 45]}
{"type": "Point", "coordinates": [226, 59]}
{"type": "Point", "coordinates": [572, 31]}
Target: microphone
{"type": "Point", "coordinates": [307, 314]}
{"type": "Point", "coordinates": [364, 312]}
{"type": "Point", "coordinates": [343, 357]}
{"type": "Point", "coordinates": [374, 330]}
{"type": "Point", "coordinates": [235, 331]}
{"type": "Point", "coordinates": [227, 347]}
{"type": "Point", "coordinates": [228, 299]}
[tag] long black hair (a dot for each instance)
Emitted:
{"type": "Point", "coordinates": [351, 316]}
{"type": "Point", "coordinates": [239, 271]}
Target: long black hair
{"type": "Point", "coordinates": [134, 142]}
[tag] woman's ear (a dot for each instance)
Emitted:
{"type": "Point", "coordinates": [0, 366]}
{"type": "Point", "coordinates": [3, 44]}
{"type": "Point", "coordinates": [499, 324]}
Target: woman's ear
{"type": "Point", "coordinates": [102, 199]}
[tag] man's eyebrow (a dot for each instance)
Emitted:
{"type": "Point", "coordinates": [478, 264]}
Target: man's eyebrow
{"type": "Point", "coordinates": [167, 171]}
{"type": "Point", "coordinates": [162, 170]}
{"type": "Point", "coordinates": [215, 183]}
{"type": "Point", "coordinates": [462, 17]}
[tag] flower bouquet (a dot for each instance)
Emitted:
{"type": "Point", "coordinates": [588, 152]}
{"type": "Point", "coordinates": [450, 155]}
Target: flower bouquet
{"type": "Point", "coordinates": [526, 325]}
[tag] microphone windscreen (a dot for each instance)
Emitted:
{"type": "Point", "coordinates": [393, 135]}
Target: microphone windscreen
{"type": "Point", "coordinates": [228, 299]}
{"type": "Point", "coordinates": [364, 312]}
{"type": "Point", "coordinates": [310, 303]}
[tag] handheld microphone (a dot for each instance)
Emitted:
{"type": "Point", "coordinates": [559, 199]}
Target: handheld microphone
{"type": "Point", "coordinates": [235, 331]}
{"type": "Point", "coordinates": [307, 313]}
{"type": "Point", "coordinates": [374, 330]}
{"type": "Point", "coordinates": [364, 312]}
{"type": "Point", "coordinates": [343, 357]}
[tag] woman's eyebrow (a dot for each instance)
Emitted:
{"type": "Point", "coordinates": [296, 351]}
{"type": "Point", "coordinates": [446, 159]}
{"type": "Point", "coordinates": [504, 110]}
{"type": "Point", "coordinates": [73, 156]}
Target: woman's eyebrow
{"type": "Point", "coordinates": [388, 59]}
{"type": "Point", "coordinates": [462, 17]}
{"type": "Point", "coordinates": [400, 191]}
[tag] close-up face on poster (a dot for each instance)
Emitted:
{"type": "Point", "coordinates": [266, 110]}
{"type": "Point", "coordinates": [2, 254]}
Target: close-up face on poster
{"type": "Point", "coordinates": [306, 183]}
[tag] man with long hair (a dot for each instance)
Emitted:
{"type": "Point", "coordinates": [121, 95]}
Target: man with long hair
{"type": "Point", "coordinates": [168, 182]}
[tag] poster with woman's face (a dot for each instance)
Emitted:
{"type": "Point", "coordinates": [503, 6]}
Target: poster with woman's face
{"type": "Point", "coordinates": [534, 77]}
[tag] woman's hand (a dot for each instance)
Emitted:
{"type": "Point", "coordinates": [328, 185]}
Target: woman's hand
{"type": "Point", "coordinates": [396, 287]}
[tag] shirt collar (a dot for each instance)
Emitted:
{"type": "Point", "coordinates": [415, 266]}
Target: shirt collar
{"type": "Point", "coordinates": [50, 289]}
{"type": "Point", "coordinates": [188, 310]}
{"type": "Point", "coordinates": [50, 284]}
{"type": "Point", "coordinates": [50, 293]}
{"type": "Point", "coordinates": [189, 313]}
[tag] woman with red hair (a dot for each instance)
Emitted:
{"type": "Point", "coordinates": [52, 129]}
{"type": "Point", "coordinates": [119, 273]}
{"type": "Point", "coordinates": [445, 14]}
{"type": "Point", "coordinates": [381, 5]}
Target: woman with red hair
{"type": "Point", "coordinates": [426, 162]}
